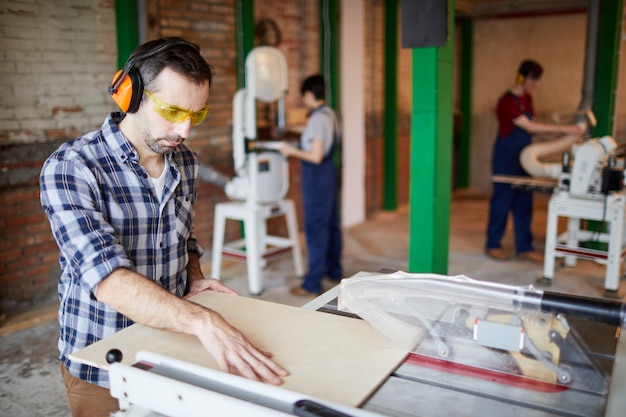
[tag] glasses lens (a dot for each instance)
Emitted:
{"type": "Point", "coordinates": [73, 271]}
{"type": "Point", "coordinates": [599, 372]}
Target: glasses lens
{"type": "Point", "coordinates": [171, 114]}
{"type": "Point", "coordinates": [175, 114]}
{"type": "Point", "coordinates": [199, 116]}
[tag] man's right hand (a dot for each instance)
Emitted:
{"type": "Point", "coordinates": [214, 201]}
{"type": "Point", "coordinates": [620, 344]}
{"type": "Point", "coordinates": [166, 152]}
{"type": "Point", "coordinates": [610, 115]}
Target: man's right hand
{"type": "Point", "coordinates": [233, 352]}
{"type": "Point", "coordinates": [573, 130]}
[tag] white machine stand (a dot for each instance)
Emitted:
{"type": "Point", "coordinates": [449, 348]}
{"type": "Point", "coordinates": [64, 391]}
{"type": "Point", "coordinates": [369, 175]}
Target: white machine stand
{"type": "Point", "coordinates": [562, 204]}
{"type": "Point", "coordinates": [259, 246]}
{"type": "Point", "coordinates": [580, 197]}
{"type": "Point", "coordinates": [262, 178]}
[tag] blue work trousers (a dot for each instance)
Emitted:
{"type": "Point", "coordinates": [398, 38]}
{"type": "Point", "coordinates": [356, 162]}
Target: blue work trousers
{"type": "Point", "coordinates": [323, 235]}
{"type": "Point", "coordinates": [506, 199]}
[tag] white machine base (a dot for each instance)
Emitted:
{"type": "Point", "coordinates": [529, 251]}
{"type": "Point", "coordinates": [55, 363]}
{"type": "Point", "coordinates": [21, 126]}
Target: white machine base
{"type": "Point", "coordinates": [259, 246]}
{"type": "Point", "coordinates": [609, 210]}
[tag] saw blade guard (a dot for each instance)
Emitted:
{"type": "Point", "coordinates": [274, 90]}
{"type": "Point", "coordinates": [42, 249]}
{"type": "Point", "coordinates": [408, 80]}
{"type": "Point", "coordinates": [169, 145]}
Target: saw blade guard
{"type": "Point", "coordinates": [478, 324]}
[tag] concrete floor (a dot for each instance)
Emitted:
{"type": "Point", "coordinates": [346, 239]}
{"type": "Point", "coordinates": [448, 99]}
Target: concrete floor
{"type": "Point", "coordinates": [30, 382]}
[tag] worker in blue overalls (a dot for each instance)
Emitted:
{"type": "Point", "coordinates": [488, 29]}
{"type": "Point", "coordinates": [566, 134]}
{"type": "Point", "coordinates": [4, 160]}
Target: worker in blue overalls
{"type": "Point", "coordinates": [515, 114]}
{"type": "Point", "coordinates": [319, 188]}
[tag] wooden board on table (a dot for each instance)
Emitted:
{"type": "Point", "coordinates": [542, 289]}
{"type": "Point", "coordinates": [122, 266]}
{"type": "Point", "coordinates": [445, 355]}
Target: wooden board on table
{"type": "Point", "coordinates": [330, 357]}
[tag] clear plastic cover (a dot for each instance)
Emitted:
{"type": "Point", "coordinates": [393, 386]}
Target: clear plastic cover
{"type": "Point", "coordinates": [480, 324]}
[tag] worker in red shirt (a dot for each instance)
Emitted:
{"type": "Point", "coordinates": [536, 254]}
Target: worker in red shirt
{"type": "Point", "coordinates": [515, 128]}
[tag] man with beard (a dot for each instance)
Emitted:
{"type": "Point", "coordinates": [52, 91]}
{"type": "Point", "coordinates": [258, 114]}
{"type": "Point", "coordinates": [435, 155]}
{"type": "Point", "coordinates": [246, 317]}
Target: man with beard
{"type": "Point", "coordinates": [120, 203]}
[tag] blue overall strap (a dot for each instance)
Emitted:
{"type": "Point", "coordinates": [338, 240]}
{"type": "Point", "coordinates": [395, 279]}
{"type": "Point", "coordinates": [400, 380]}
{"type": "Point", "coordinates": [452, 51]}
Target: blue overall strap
{"type": "Point", "coordinates": [332, 114]}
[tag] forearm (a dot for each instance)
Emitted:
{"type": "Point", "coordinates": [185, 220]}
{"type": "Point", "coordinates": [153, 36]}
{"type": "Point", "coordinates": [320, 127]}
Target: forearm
{"type": "Point", "coordinates": [535, 127]}
{"type": "Point", "coordinates": [307, 156]}
{"type": "Point", "coordinates": [315, 155]}
{"type": "Point", "coordinates": [145, 302]}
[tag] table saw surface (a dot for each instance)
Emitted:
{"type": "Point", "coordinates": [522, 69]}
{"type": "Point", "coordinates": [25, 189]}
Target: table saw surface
{"type": "Point", "coordinates": [424, 387]}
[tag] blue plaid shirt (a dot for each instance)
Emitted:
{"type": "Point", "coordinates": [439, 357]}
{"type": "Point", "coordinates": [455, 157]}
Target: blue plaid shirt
{"type": "Point", "coordinates": [105, 215]}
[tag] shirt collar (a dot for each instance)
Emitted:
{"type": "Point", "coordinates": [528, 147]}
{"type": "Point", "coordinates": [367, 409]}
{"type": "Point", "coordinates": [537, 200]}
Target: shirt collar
{"type": "Point", "coordinates": [115, 139]}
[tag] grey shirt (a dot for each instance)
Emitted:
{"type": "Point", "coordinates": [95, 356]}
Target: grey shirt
{"type": "Point", "coordinates": [322, 125]}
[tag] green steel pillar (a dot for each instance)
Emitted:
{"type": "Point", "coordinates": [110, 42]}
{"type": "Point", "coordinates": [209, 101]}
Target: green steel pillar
{"type": "Point", "coordinates": [390, 139]}
{"type": "Point", "coordinates": [463, 155]}
{"type": "Point", "coordinates": [244, 27]}
{"type": "Point", "coordinates": [607, 73]}
{"type": "Point", "coordinates": [244, 39]}
{"type": "Point", "coordinates": [329, 62]}
{"type": "Point", "coordinates": [329, 49]}
{"type": "Point", "coordinates": [127, 27]}
{"type": "Point", "coordinates": [607, 65]}
{"type": "Point", "coordinates": [431, 155]}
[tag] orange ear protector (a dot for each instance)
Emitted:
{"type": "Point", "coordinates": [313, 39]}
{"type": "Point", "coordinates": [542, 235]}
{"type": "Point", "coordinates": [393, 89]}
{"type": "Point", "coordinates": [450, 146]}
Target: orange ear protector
{"type": "Point", "coordinates": [520, 79]}
{"type": "Point", "coordinates": [126, 89]}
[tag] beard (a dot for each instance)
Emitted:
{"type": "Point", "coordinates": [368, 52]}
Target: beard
{"type": "Point", "coordinates": [158, 144]}
{"type": "Point", "coordinates": [164, 145]}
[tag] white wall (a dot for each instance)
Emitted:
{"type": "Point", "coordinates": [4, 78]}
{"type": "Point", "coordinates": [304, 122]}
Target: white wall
{"type": "Point", "coordinates": [352, 111]}
{"type": "Point", "coordinates": [556, 42]}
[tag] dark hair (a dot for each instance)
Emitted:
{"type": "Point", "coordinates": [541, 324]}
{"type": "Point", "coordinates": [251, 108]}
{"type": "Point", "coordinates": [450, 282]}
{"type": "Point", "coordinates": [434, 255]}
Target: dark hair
{"type": "Point", "coordinates": [316, 85]}
{"type": "Point", "coordinates": [530, 69]}
{"type": "Point", "coordinates": [175, 53]}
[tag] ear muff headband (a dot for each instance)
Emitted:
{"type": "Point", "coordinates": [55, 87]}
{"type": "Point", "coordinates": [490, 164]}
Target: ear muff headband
{"type": "Point", "coordinates": [126, 88]}
{"type": "Point", "coordinates": [520, 79]}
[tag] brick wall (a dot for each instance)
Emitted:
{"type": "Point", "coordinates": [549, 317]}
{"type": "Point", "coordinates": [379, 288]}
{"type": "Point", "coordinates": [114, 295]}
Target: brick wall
{"type": "Point", "coordinates": [58, 57]}
{"type": "Point", "coordinates": [374, 111]}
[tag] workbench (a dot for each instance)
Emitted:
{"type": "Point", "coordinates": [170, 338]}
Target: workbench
{"type": "Point", "coordinates": [430, 388]}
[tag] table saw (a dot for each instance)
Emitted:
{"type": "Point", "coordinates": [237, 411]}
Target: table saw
{"type": "Point", "coordinates": [422, 385]}
{"type": "Point", "coordinates": [427, 386]}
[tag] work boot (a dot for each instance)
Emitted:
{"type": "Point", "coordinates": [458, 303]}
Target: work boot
{"type": "Point", "coordinates": [497, 253]}
{"type": "Point", "coordinates": [531, 256]}
{"type": "Point", "coordinates": [301, 292]}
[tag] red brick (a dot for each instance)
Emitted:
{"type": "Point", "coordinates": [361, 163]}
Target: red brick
{"type": "Point", "coordinates": [38, 270]}
{"type": "Point", "coordinates": [34, 250]}
{"type": "Point", "coordinates": [10, 254]}
{"type": "Point", "coordinates": [24, 220]}
{"type": "Point", "coordinates": [41, 228]}
{"type": "Point", "coordinates": [21, 263]}
{"type": "Point", "coordinates": [50, 258]}
{"type": "Point", "coordinates": [13, 241]}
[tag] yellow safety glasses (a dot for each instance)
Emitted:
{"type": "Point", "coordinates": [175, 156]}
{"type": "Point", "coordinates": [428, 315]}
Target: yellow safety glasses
{"type": "Point", "coordinates": [177, 114]}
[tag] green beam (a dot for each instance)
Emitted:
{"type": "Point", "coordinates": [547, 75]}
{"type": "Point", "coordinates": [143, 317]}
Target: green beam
{"type": "Point", "coordinates": [244, 27]}
{"type": "Point", "coordinates": [390, 140]}
{"type": "Point", "coordinates": [431, 155]}
{"type": "Point", "coordinates": [329, 49]}
{"type": "Point", "coordinates": [329, 16]}
{"type": "Point", "coordinates": [463, 155]}
{"type": "Point", "coordinates": [127, 27]}
{"type": "Point", "coordinates": [607, 66]}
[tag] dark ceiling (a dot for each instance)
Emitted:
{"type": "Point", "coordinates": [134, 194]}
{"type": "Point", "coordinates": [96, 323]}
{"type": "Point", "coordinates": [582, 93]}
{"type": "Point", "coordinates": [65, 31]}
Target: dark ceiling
{"type": "Point", "coordinates": [502, 8]}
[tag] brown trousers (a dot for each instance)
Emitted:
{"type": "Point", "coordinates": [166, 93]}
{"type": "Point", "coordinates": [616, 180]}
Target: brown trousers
{"type": "Point", "coordinates": [87, 400]}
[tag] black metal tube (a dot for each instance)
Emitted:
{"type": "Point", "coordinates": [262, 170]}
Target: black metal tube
{"type": "Point", "coordinates": [591, 50]}
{"type": "Point", "coordinates": [595, 309]}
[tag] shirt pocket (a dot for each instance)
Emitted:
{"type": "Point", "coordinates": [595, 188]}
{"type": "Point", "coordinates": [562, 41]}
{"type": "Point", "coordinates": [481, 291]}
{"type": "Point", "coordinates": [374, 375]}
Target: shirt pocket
{"type": "Point", "coordinates": [183, 214]}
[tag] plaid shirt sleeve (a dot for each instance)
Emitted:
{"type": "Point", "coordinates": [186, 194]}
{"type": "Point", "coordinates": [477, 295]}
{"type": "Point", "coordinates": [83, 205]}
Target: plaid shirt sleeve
{"type": "Point", "coordinates": [90, 249]}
